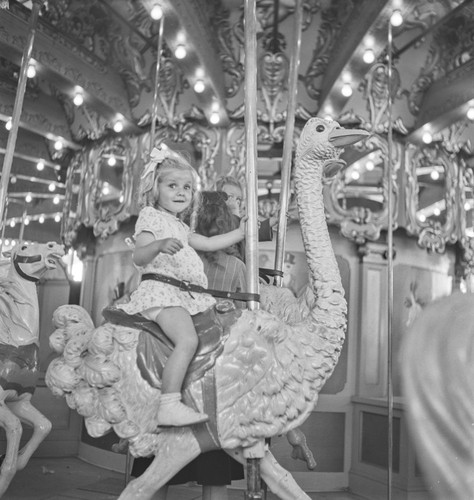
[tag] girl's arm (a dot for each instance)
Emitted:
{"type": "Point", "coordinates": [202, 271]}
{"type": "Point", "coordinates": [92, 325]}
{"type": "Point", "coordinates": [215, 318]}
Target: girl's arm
{"type": "Point", "coordinates": [147, 248]}
{"type": "Point", "coordinates": [218, 242]}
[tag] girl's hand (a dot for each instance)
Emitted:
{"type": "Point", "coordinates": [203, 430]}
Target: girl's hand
{"type": "Point", "coordinates": [170, 246]}
{"type": "Point", "coordinates": [243, 221]}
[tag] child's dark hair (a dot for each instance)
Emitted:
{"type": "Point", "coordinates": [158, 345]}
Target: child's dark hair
{"type": "Point", "coordinates": [214, 217]}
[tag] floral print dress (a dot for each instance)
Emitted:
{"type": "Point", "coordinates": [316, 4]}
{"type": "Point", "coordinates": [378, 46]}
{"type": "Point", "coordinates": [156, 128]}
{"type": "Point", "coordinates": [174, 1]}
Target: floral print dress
{"type": "Point", "coordinates": [183, 265]}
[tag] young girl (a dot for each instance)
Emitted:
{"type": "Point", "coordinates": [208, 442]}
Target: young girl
{"type": "Point", "coordinates": [164, 245]}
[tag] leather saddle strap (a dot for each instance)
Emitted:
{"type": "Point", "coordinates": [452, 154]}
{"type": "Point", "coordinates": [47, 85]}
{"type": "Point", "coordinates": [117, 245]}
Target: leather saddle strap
{"type": "Point", "coordinates": [186, 286]}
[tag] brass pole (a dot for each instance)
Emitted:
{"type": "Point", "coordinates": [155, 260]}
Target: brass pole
{"type": "Point", "coordinates": [154, 112]}
{"type": "Point", "coordinates": [389, 265]}
{"type": "Point", "coordinates": [4, 225]}
{"type": "Point", "coordinates": [17, 107]}
{"type": "Point", "coordinates": [22, 226]}
{"type": "Point", "coordinates": [254, 491]}
{"type": "Point", "coordinates": [251, 250]}
{"type": "Point", "coordinates": [288, 140]}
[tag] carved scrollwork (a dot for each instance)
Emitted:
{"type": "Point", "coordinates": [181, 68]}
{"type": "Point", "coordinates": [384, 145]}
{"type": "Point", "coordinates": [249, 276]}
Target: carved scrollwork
{"type": "Point", "coordinates": [361, 209]}
{"type": "Point", "coordinates": [466, 222]}
{"type": "Point", "coordinates": [430, 194]}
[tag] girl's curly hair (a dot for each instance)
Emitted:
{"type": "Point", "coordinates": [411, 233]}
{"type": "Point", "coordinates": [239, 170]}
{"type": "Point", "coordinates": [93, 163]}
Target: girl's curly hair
{"type": "Point", "coordinates": [214, 217]}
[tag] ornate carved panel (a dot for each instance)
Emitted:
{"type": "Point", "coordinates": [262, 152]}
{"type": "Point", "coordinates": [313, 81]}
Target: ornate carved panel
{"type": "Point", "coordinates": [431, 175]}
{"type": "Point", "coordinates": [356, 200]}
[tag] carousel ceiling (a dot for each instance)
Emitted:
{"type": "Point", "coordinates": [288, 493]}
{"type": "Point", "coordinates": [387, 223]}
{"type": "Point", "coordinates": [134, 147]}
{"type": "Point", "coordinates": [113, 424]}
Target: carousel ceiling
{"type": "Point", "coordinates": [93, 70]}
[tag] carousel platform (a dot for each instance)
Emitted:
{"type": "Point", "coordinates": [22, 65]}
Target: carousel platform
{"type": "Point", "coordinates": [74, 479]}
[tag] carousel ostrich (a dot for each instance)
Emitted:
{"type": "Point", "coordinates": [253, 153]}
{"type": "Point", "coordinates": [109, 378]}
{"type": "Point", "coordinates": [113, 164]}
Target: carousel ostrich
{"type": "Point", "coordinates": [19, 363]}
{"type": "Point", "coordinates": [257, 374]}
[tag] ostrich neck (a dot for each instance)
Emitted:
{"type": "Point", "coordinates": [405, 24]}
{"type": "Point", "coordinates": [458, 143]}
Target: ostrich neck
{"type": "Point", "coordinates": [324, 272]}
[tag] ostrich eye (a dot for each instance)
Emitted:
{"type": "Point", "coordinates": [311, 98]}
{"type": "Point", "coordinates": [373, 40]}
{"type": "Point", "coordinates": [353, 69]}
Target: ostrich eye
{"type": "Point", "coordinates": [320, 128]}
{"type": "Point", "coordinates": [24, 247]}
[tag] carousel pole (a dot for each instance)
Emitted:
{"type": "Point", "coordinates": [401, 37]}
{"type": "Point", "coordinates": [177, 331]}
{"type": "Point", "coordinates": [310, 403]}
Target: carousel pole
{"type": "Point", "coordinates": [154, 111]}
{"type": "Point", "coordinates": [389, 262]}
{"type": "Point", "coordinates": [4, 225]}
{"type": "Point", "coordinates": [254, 454]}
{"type": "Point", "coordinates": [18, 105]}
{"type": "Point", "coordinates": [154, 114]}
{"type": "Point", "coordinates": [288, 140]}
{"type": "Point", "coordinates": [22, 225]}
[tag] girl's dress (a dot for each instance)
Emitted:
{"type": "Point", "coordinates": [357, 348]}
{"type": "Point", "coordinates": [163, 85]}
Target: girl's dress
{"type": "Point", "coordinates": [183, 265]}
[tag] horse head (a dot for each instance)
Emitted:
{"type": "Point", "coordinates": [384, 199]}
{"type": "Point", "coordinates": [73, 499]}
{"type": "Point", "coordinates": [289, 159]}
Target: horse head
{"type": "Point", "coordinates": [31, 261]}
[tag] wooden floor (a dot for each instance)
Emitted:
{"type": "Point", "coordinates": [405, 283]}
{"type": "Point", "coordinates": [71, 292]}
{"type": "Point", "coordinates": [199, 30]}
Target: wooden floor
{"type": "Point", "coordinates": [73, 479]}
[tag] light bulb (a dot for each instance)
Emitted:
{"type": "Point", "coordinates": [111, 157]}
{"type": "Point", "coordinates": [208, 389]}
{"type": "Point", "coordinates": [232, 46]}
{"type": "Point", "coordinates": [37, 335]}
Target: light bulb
{"type": "Point", "coordinates": [41, 219]}
{"type": "Point", "coordinates": [156, 12]}
{"type": "Point", "coordinates": [78, 99]}
{"type": "Point", "coordinates": [58, 145]}
{"type": "Point", "coordinates": [396, 19]}
{"type": "Point", "coordinates": [52, 187]}
{"type": "Point", "coordinates": [346, 90]}
{"type": "Point", "coordinates": [27, 221]}
{"type": "Point", "coordinates": [369, 56]}
{"type": "Point", "coordinates": [31, 71]}
{"type": "Point", "coordinates": [467, 206]}
{"type": "Point", "coordinates": [112, 161]}
{"type": "Point", "coordinates": [9, 124]}
{"type": "Point", "coordinates": [118, 126]}
{"type": "Point", "coordinates": [13, 179]}
{"type": "Point", "coordinates": [56, 200]}
{"type": "Point", "coordinates": [470, 113]}
{"type": "Point", "coordinates": [427, 138]}
{"type": "Point", "coordinates": [215, 118]}
{"type": "Point", "coordinates": [57, 218]}
{"type": "Point", "coordinates": [369, 165]}
{"type": "Point", "coordinates": [12, 223]}
{"type": "Point", "coordinates": [28, 198]}
{"type": "Point", "coordinates": [40, 165]}
{"type": "Point", "coordinates": [199, 87]}
{"type": "Point", "coordinates": [436, 211]}
{"type": "Point", "coordinates": [422, 218]}
{"type": "Point", "coordinates": [434, 175]}
{"type": "Point", "coordinates": [355, 175]}
{"type": "Point", "coordinates": [180, 52]}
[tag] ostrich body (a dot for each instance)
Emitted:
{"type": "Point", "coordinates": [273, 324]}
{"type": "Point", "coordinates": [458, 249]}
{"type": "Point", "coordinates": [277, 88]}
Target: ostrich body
{"type": "Point", "coordinates": [19, 363]}
{"type": "Point", "coordinates": [265, 380]}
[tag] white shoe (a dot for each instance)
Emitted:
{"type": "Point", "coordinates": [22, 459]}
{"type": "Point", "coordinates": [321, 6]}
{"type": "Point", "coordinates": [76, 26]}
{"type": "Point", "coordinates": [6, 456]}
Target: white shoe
{"type": "Point", "coordinates": [177, 414]}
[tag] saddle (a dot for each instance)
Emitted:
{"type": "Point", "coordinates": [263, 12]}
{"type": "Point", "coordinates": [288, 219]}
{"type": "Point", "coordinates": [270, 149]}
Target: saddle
{"type": "Point", "coordinates": [154, 347]}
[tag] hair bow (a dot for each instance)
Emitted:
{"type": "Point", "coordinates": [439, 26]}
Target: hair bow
{"type": "Point", "coordinates": [157, 155]}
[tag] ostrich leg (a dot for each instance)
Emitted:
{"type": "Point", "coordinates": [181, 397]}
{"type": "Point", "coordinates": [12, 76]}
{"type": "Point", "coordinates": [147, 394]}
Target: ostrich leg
{"type": "Point", "coordinates": [279, 481]}
{"type": "Point", "coordinates": [28, 414]}
{"type": "Point", "coordinates": [13, 431]}
{"type": "Point", "coordinates": [174, 449]}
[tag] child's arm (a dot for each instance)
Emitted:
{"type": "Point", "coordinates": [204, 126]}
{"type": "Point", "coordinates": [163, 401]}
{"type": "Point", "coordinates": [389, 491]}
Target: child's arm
{"type": "Point", "coordinates": [218, 242]}
{"type": "Point", "coordinates": [147, 248]}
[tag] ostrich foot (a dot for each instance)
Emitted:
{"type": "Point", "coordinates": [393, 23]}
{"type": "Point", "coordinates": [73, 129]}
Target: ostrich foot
{"type": "Point", "coordinates": [301, 451]}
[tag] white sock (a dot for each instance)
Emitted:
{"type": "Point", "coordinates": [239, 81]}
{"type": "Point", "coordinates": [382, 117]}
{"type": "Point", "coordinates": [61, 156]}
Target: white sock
{"type": "Point", "coordinates": [170, 398]}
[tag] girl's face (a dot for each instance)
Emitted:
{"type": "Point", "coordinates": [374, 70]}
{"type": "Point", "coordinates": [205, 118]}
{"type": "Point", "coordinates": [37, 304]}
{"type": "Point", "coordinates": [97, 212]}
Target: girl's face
{"type": "Point", "coordinates": [234, 198]}
{"type": "Point", "coordinates": [175, 191]}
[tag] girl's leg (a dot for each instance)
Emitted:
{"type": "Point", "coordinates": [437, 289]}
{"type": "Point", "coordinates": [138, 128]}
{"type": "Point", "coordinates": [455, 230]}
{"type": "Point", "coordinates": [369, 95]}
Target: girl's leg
{"type": "Point", "coordinates": [178, 326]}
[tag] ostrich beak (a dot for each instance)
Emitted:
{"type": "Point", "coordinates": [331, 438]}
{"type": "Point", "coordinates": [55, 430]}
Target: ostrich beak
{"type": "Point", "coordinates": [341, 137]}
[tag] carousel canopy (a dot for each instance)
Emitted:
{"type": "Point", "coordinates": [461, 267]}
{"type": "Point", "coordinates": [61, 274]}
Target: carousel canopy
{"type": "Point", "coordinates": [91, 88]}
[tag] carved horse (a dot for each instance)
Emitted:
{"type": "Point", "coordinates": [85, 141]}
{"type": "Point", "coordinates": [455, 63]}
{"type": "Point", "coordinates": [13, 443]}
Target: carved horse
{"type": "Point", "coordinates": [19, 361]}
{"type": "Point", "coordinates": [257, 374]}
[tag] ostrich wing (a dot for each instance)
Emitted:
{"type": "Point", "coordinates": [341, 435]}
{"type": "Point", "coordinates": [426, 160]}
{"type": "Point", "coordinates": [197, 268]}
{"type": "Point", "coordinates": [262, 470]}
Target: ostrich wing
{"type": "Point", "coordinates": [267, 379]}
